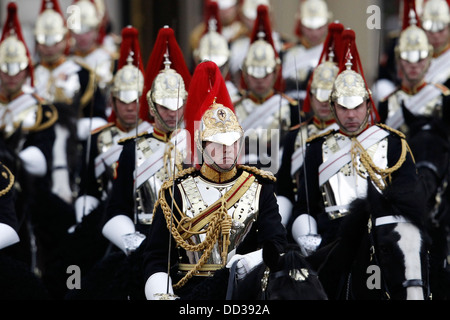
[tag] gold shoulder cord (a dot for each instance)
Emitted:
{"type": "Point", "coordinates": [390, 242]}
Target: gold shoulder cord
{"type": "Point", "coordinates": [372, 169]}
{"type": "Point", "coordinates": [219, 226]}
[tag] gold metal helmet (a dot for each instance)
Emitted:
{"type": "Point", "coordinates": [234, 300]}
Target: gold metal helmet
{"type": "Point", "coordinates": [50, 28]}
{"type": "Point", "coordinates": [249, 7]}
{"type": "Point", "coordinates": [349, 88]}
{"type": "Point", "coordinates": [168, 89]}
{"type": "Point", "coordinates": [413, 44]}
{"type": "Point", "coordinates": [13, 56]}
{"type": "Point", "coordinates": [435, 15]}
{"type": "Point", "coordinates": [213, 46]}
{"type": "Point", "coordinates": [323, 80]}
{"type": "Point", "coordinates": [220, 125]}
{"type": "Point", "coordinates": [261, 59]}
{"type": "Point", "coordinates": [128, 82]}
{"type": "Point", "coordinates": [314, 13]}
{"type": "Point", "coordinates": [89, 16]}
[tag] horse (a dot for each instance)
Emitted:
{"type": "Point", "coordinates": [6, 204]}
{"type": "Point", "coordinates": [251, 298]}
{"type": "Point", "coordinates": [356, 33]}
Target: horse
{"type": "Point", "coordinates": [428, 140]}
{"type": "Point", "coordinates": [380, 252]}
{"type": "Point", "coordinates": [281, 276]}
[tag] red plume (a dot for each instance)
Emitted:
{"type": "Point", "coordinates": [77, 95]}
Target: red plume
{"type": "Point", "coordinates": [207, 85]}
{"type": "Point", "coordinates": [333, 41]}
{"type": "Point", "coordinates": [12, 26]}
{"type": "Point", "coordinates": [130, 42]}
{"type": "Point", "coordinates": [409, 5]}
{"type": "Point", "coordinates": [350, 51]}
{"type": "Point", "coordinates": [165, 43]}
{"type": "Point", "coordinates": [212, 12]}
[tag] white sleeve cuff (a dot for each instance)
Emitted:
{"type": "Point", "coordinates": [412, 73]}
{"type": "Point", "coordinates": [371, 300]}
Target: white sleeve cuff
{"type": "Point", "coordinates": [34, 161]}
{"type": "Point", "coordinates": [116, 227]}
{"type": "Point", "coordinates": [8, 236]}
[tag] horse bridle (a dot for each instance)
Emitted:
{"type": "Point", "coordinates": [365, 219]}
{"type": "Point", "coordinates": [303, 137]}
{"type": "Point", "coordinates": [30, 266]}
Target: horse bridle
{"type": "Point", "coordinates": [296, 274]}
{"type": "Point", "coordinates": [373, 256]}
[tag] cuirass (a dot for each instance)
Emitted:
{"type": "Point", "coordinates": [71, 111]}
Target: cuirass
{"type": "Point", "coordinates": [147, 193]}
{"type": "Point", "coordinates": [271, 124]}
{"type": "Point", "coordinates": [433, 107]}
{"type": "Point", "coordinates": [58, 85]}
{"type": "Point", "coordinates": [26, 118]}
{"type": "Point", "coordinates": [108, 138]}
{"type": "Point", "coordinates": [348, 183]}
{"type": "Point", "coordinates": [198, 193]}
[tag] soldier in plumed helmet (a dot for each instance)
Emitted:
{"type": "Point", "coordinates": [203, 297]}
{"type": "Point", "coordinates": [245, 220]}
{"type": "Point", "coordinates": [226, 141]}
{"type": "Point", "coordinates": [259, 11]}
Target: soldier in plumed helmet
{"type": "Point", "coordinates": [413, 57]}
{"type": "Point", "coordinates": [148, 159]}
{"type": "Point", "coordinates": [27, 127]}
{"type": "Point", "coordinates": [328, 187]}
{"type": "Point", "coordinates": [210, 225]}
{"type": "Point", "coordinates": [316, 102]}
{"type": "Point", "coordinates": [264, 111]}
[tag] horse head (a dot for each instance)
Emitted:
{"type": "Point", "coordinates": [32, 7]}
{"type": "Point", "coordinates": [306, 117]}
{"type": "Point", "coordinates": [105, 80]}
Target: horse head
{"type": "Point", "coordinates": [284, 274]}
{"type": "Point", "coordinates": [380, 252]}
{"type": "Point", "coordinates": [395, 249]}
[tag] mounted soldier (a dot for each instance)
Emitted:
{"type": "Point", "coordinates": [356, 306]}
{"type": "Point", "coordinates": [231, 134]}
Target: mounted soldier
{"type": "Point", "coordinates": [264, 111]}
{"type": "Point", "coordinates": [222, 212]}
{"type": "Point", "coordinates": [149, 159]}
{"type": "Point", "coordinates": [317, 101]}
{"type": "Point", "coordinates": [340, 160]}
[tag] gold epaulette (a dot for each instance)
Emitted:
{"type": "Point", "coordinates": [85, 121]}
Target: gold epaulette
{"type": "Point", "coordinates": [97, 130]}
{"type": "Point", "coordinates": [7, 180]}
{"type": "Point", "coordinates": [51, 116]}
{"type": "Point", "coordinates": [399, 133]}
{"type": "Point", "coordinates": [123, 140]}
{"type": "Point", "coordinates": [316, 136]}
{"type": "Point", "coordinates": [445, 90]}
{"type": "Point", "coordinates": [259, 172]}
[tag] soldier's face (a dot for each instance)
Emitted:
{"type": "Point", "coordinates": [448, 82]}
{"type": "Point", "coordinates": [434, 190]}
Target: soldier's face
{"type": "Point", "coordinates": [51, 53]}
{"type": "Point", "coordinates": [12, 84]}
{"type": "Point", "coordinates": [315, 36]}
{"type": "Point", "coordinates": [414, 71]}
{"type": "Point", "coordinates": [222, 155]}
{"type": "Point", "coordinates": [261, 86]}
{"type": "Point", "coordinates": [170, 117]}
{"type": "Point", "coordinates": [439, 39]}
{"type": "Point", "coordinates": [321, 109]}
{"type": "Point", "coordinates": [352, 119]}
{"type": "Point", "coordinates": [85, 41]}
{"type": "Point", "coordinates": [126, 113]}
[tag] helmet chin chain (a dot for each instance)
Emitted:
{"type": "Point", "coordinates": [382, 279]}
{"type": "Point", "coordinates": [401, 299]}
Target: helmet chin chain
{"type": "Point", "coordinates": [161, 121]}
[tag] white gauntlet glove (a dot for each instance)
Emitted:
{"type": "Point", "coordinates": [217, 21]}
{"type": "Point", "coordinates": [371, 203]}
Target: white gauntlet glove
{"type": "Point", "coordinates": [34, 161]}
{"type": "Point", "coordinates": [157, 287]}
{"type": "Point", "coordinates": [246, 262]}
{"type": "Point", "coordinates": [85, 126]}
{"type": "Point", "coordinates": [304, 231]}
{"type": "Point", "coordinates": [84, 205]}
{"type": "Point", "coordinates": [285, 208]}
{"type": "Point", "coordinates": [120, 230]}
{"type": "Point", "coordinates": [8, 236]}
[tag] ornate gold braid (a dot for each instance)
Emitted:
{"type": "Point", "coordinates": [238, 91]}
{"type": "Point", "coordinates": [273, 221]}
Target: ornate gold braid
{"type": "Point", "coordinates": [10, 184]}
{"type": "Point", "coordinates": [219, 225]}
{"type": "Point", "coordinates": [259, 172]}
{"type": "Point", "coordinates": [367, 161]}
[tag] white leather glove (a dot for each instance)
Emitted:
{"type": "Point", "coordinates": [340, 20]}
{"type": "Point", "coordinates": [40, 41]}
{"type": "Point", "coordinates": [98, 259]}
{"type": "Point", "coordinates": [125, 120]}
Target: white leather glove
{"type": "Point", "coordinates": [84, 126]}
{"type": "Point", "coordinates": [8, 236]}
{"type": "Point", "coordinates": [304, 232]}
{"type": "Point", "coordinates": [246, 262]}
{"type": "Point", "coordinates": [33, 161]}
{"type": "Point", "coordinates": [84, 205]}
{"type": "Point", "coordinates": [116, 228]}
{"type": "Point", "coordinates": [157, 287]}
{"type": "Point", "coordinates": [285, 208]}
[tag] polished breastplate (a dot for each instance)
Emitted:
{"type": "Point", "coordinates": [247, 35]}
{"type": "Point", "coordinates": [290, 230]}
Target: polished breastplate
{"type": "Point", "coordinates": [349, 182]}
{"type": "Point", "coordinates": [198, 193]}
{"type": "Point", "coordinates": [147, 192]}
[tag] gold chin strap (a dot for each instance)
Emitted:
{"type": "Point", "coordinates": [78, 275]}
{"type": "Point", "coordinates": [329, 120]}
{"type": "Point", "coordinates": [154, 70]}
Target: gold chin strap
{"type": "Point", "coordinates": [385, 174]}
